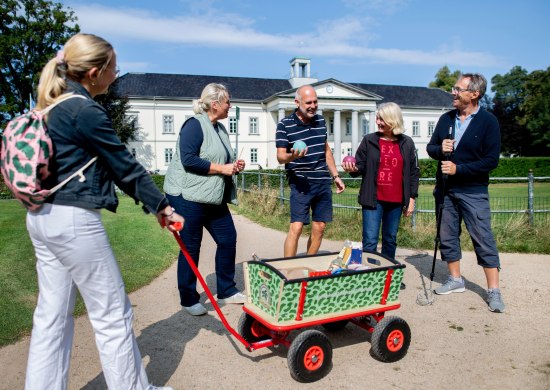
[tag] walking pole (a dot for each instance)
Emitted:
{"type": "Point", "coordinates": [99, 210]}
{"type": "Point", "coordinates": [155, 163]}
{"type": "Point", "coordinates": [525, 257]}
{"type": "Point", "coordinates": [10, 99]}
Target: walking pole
{"type": "Point", "coordinates": [427, 296]}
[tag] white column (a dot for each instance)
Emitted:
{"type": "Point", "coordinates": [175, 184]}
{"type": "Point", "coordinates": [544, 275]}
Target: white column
{"type": "Point", "coordinates": [337, 139]}
{"type": "Point", "coordinates": [354, 131]}
{"type": "Point", "coordinates": [372, 122]}
{"type": "Point", "coordinates": [320, 112]}
{"type": "Point", "coordinates": [281, 114]}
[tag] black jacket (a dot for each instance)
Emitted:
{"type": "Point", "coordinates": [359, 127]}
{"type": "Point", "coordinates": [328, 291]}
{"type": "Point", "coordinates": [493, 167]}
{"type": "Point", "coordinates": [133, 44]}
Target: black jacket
{"type": "Point", "coordinates": [368, 160]}
{"type": "Point", "coordinates": [476, 155]}
{"type": "Point", "coordinates": [80, 129]}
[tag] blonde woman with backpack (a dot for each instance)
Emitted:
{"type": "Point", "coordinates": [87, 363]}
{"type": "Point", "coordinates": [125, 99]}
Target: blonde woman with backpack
{"type": "Point", "coordinates": [71, 246]}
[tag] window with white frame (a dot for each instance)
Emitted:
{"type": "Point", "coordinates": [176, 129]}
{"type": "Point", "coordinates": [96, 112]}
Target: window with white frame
{"type": "Point", "coordinates": [364, 126]}
{"type": "Point", "coordinates": [331, 126]}
{"type": "Point", "coordinates": [232, 125]}
{"type": "Point", "coordinates": [416, 128]}
{"type": "Point", "coordinates": [253, 125]}
{"type": "Point", "coordinates": [133, 152]}
{"type": "Point", "coordinates": [168, 155]}
{"type": "Point", "coordinates": [254, 155]}
{"type": "Point", "coordinates": [431, 128]}
{"type": "Point", "coordinates": [168, 124]}
{"type": "Point", "coordinates": [348, 126]}
{"type": "Point", "coordinates": [349, 152]}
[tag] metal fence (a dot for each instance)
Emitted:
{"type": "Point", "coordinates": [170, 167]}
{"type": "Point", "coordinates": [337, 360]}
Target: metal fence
{"type": "Point", "coordinates": [534, 209]}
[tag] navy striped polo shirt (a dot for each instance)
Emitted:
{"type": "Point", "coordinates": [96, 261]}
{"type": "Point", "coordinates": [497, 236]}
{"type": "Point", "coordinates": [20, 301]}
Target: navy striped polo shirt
{"type": "Point", "coordinates": [312, 166]}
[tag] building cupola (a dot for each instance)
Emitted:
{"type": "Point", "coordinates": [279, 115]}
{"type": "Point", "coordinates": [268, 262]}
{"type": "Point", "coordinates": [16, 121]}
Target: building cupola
{"type": "Point", "coordinates": [300, 72]}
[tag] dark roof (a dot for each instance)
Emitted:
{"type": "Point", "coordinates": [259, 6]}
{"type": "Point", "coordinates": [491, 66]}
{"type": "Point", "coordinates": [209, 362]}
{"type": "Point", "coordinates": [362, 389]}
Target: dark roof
{"type": "Point", "coordinates": [409, 96]}
{"type": "Point", "coordinates": [191, 86]}
{"type": "Point", "coordinates": [181, 86]}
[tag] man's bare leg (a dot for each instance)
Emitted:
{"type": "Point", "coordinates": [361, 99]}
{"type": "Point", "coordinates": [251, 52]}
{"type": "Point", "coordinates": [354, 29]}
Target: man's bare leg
{"type": "Point", "coordinates": [454, 268]}
{"type": "Point", "coordinates": [314, 241]}
{"type": "Point", "coordinates": [291, 242]}
{"type": "Point", "coordinates": [492, 277]}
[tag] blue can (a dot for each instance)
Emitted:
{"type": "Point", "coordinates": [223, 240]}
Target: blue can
{"type": "Point", "coordinates": [356, 256]}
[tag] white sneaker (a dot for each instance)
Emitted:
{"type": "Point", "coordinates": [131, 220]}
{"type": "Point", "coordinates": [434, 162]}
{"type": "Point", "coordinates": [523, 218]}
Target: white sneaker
{"type": "Point", "coordinates": [151, 387]}
{"type": "Point", "coordinates": [196, 310]}
{"type": "Point", "coordinates": [239, 298]}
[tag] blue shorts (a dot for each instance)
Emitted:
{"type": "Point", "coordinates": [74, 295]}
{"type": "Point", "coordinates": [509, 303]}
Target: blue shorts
{"type": "Point", "coordinates": [475, 211]}
{"type": "Point", "coordinates": [305, 195]}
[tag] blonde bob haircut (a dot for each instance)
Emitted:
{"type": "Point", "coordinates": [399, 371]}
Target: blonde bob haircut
{"type": "Point", "coordinates": [392, 115]}
{"type": "Point", "coordinates": [81, 53]}
{"type": "Point", "coordinates": [213, 92]}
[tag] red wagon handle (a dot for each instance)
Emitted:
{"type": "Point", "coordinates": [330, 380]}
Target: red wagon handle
{"type": "Point", "coordinates": [197, 273]}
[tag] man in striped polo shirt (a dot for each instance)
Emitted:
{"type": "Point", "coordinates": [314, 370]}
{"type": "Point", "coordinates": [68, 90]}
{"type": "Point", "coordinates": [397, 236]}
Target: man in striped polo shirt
{"type": "Point", "coordinates": [310, 171]}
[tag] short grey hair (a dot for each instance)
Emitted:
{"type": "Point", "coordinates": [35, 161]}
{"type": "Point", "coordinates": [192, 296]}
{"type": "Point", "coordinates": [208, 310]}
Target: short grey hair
{"type": "Point", "coordinates": [477, 83]}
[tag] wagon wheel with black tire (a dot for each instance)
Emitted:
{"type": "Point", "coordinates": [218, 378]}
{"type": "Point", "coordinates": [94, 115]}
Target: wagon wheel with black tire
{"type": "Point", "coordinates": [335, 326]}
{"type": "Point", "coordinates": [251, 330]}
{"type": "Point", "coordinates": [391, 339]}
{"type": "Point", "coordinates": [310, 356]}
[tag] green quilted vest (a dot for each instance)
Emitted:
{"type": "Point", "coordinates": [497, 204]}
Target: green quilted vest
{"type": "Point", "coordinates": [202, 188]}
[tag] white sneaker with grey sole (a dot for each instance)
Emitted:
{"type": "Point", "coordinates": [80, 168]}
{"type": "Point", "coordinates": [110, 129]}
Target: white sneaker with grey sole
{"type": "Point", "coordinates": [238, 298]}
{"type": "Point", "coordinates": [196, 310]}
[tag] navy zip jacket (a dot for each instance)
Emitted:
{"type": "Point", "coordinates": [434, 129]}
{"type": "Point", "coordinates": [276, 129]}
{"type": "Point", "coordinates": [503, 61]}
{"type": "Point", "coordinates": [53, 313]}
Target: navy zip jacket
{"type": "Point", "coordinates": [80, 129]}
{"type": "Point", "coordinates": [368, 160]}
{"type": "Point", "coordinates": [476, 155]}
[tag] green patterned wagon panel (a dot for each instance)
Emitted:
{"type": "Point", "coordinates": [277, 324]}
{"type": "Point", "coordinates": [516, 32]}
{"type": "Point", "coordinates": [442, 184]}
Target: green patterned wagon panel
{"type": "Point", "coordinates": [346, 292]}
{"type": "Point", "coordinates": [264, 291]}
{"type": "Point", "coordinates": [395, 285]}
{"type": "Point", "coordinates": [280, 300]}
{"type": "Point", "coordinates": [290, 298]}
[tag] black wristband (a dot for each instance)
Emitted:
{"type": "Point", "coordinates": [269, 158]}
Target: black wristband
{"type": "Point", "coordinates": [335, 177]}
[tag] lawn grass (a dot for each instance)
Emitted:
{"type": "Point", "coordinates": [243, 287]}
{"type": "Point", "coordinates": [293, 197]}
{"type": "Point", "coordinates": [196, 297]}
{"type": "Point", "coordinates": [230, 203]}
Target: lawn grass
{"type": "Point", "coordinates": [143, 250]}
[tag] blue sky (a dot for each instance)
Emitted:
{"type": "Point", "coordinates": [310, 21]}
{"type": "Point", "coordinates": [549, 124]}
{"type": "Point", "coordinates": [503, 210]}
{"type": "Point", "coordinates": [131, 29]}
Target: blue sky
{"type": "Point", "coordinates": [397, 42]}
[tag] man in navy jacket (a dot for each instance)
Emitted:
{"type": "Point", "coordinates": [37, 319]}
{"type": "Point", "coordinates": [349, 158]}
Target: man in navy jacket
{"type": "Point", "coordinates": [466, 142]}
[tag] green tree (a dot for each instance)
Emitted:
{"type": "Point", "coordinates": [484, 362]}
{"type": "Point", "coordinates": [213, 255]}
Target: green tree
{"type": "Point", "coordinates": [117, 106]}
{"type": "Point", "coordinates": [509, 95]}
{"type": "Point", "coordinates": [444, 79]}
{"type": "Point", "coordinates": [535, 112]}
{"type": "Point", "coordinates": [31, 32]}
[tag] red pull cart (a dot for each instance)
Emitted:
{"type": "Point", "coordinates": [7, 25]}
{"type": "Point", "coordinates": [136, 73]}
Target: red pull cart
{"type": "Point", "coordinates": [289, 294]}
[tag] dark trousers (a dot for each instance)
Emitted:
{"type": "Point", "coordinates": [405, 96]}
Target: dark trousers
{"type": "Point", "coordinates": [218, 222]}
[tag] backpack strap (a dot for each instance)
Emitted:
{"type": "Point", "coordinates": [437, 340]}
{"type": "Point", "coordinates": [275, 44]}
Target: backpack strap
{"type": "Point", "coordinates": [61, 100]}
{"type": "Point", "coordinates": [79, 172]}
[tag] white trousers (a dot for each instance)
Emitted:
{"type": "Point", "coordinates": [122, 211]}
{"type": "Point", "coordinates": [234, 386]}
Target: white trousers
{"type": "Point", "coordinates": [73, 251]}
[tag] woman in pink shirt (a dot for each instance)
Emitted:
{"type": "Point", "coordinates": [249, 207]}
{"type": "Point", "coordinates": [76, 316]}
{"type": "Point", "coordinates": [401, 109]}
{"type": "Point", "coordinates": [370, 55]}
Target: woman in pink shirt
{"type": "Point", "coordinates": [388, 164]}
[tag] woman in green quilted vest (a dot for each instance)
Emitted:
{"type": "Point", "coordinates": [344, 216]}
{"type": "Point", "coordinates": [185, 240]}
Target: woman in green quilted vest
{"type": "Point", "coordinates": [199, 184]}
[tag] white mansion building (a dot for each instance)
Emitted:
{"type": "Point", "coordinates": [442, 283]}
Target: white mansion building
{"type": "Point", "coordinates": [160, 103]}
